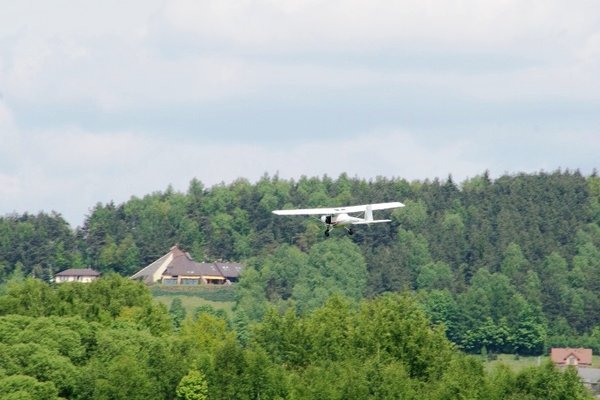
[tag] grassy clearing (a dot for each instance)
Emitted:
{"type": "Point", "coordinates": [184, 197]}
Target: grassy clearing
{"type": "Point", "coordinates": [207, 292]}
{"type": "Point", "coordinates": [514, 363]}
{"type": "Point", "coordinates": [192, 297]}
{"type": "Point", "coordinates": [191, 303]}
{"type": "Point", "coordinates": [517, 364]}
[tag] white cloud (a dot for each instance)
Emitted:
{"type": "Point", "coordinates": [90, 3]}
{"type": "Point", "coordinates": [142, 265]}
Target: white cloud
{"type": "Point", "coordinates": [106, 55]}
{"type": "Point", "coordinates": [6, 118]}
{"type": "Point", "coordinates": [332, 24]}
{"type": "Point", "coordinates": [373, 154]}
{"type": "Point", "coordinates": [9, 187]}
{"type": "Point", "coordinates": [86, 17]}
{"type": "Point", "coordinates": [335, 24]}
{"type": "Point", "coordinates": [116, 76]}
{"type": "Point", "coordinates": [9, 145]}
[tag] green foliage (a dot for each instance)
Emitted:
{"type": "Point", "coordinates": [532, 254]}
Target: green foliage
{"type": "Point", "coordinates": [334, 266]}
{"type": "Point", "coordinates": [435, 276]}
{"type": "Point", "coordinates": [193, 386]}
{"type": "Point", "coordinates": [464, 379]}
{"type": "Point", "coordinates": [384, 348]}
{"type": "Point", "coordinates": [280, 271]}
{"type": "Point", "coordinates": [250, 294]}
{"type": "Point", "coordinates": [289, 277]}
{"type": "Point", "coordinates": [283, 337]}
{"type": "Point", "coordinates": [509, 265]}
{"type": "Point", "coordinates": [23, 387]}
{"type": "Point", "coordinates": [549, 383]}
{"type": "Point", "coordinates": [31, 297]}
{"type": "Point", "coordinates": [230, 380]}
{"type": "Point", "coordinates": [395, 326]}
{"type": "Point", "coordinates": [177, 312]}
{"type": "Point", "coordinates": [395, 267]}
{"type": "Point", "coordinates": [442, 309]}
{"type": "Point", "coordinates": [221, 293]}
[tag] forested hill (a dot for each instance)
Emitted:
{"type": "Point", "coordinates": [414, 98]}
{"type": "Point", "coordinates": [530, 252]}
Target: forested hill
{"type": "Point", "coordinates": [489, 257]}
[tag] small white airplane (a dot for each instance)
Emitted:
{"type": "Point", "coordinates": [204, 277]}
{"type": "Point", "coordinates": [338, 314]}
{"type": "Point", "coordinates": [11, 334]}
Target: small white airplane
{"type": "Point", "coordinates": [337, 217]}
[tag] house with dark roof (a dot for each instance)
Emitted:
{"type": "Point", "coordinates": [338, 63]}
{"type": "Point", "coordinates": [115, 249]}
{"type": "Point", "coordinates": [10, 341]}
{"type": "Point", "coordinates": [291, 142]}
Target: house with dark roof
{"type": "Point", "coordinates": [231, 271]}
{"type": "Point", "coordinates": [84, 275]}
{"type": "Point", "coordinates": [192, 273]}
{"type": "Point", "coordinates": [569, 356]}
{"type": "Point", "coordinates": [178, 268]}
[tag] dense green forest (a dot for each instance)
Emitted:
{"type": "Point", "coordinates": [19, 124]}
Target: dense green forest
{"type": "Point", "coordinates": [110, 340]}
{"type": "Point", "coordinates": [510, 264]}
{"type": "Point", "coordinates": [507, 265]}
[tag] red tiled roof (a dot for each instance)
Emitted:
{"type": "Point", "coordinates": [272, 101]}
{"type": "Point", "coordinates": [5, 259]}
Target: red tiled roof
{"type": "Point", "coordinates": [560, 355]}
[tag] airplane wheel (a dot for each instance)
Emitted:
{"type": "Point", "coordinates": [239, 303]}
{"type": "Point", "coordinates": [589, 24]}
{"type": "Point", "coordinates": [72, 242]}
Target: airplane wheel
{"type": "Point", "coordinates": [350, 232]}
{"type": "Point", "coordinates": [327, 233]}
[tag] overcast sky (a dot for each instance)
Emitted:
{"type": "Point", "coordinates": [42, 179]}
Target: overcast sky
{"type": "Point", "coordinates": [103, 100]}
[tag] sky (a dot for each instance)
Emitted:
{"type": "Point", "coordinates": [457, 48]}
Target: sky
{"type": "Point", "coordinates": [104, 100]}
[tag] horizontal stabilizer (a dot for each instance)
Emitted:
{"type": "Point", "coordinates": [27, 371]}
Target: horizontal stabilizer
{"type": "Point", "coordinates": [375, 221]}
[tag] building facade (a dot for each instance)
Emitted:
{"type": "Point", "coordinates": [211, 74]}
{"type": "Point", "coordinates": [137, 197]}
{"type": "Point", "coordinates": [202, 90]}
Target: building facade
{"type": "Point", "coordinates": [178, 268]}
{"type": "Point", "coordinates": [578, 357]}
{"type": "Point", "coordinates": [84, 275]}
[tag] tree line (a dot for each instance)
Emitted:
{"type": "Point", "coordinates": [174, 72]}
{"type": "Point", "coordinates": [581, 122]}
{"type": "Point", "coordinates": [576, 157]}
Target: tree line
{"type": "Point", "coordinates": [503, 265]}
{"type": "Point", "coordinates": [109, 340]}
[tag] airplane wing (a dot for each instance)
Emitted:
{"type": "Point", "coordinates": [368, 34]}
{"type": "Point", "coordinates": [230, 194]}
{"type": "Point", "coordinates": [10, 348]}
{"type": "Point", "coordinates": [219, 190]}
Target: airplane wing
{"type": "Point", "coordinates": [385, 206]}
{"type": "Point", "coordinates": [309, 211]}
{"type": "Point", "coordinates": [339, 210]}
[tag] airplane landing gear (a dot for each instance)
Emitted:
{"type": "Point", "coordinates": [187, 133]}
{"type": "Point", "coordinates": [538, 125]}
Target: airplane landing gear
{"type": "Point", "coordinates": [327, 232]}
{"type": "Point", "coordinates": [350, 231]}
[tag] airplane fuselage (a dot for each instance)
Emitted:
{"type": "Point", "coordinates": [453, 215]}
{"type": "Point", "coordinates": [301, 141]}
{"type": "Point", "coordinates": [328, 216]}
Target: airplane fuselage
{"type": "Point", "coordinates": [339, 220]}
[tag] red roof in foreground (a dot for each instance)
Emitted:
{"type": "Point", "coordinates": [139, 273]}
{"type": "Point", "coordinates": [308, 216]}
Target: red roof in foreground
{"type": "Point", "coordinates": [560, 355]}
